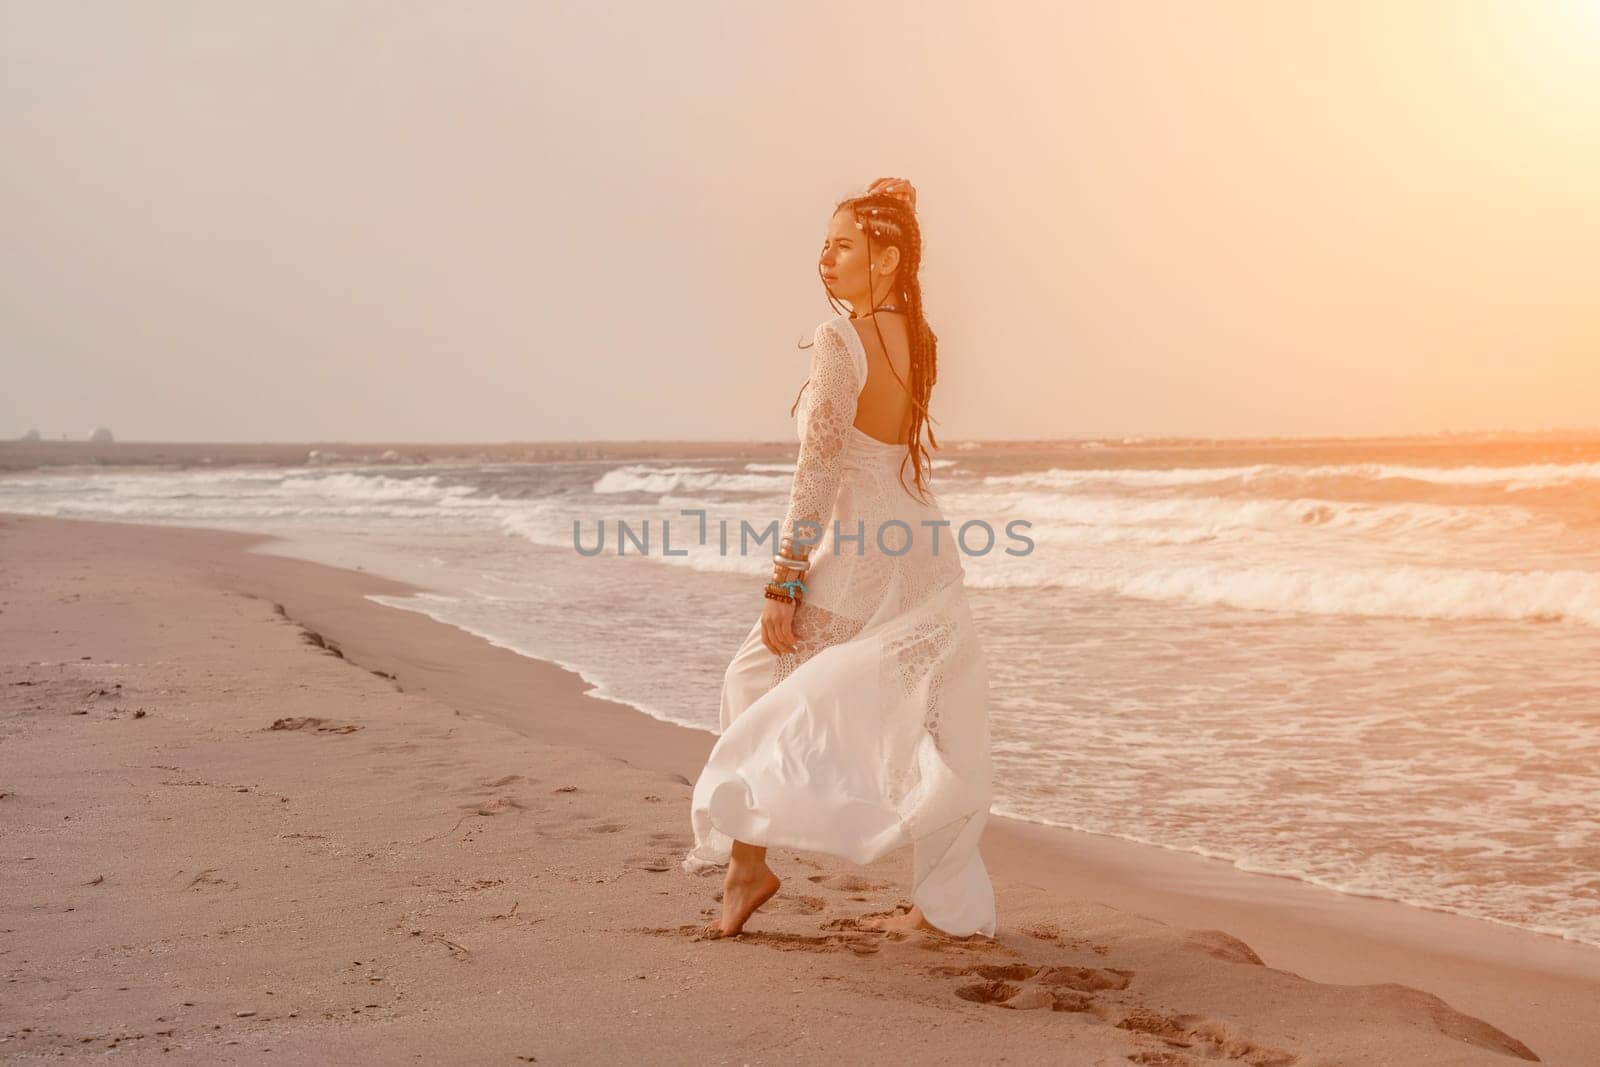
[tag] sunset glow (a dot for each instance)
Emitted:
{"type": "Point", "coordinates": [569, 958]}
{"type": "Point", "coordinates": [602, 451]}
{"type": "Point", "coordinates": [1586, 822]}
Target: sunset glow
{"type": "Point", "coordinates": [1341, 218]}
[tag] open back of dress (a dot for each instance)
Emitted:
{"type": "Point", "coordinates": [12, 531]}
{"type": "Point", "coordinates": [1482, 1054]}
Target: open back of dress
{"type": "Point", "coordinates": [874, 733]}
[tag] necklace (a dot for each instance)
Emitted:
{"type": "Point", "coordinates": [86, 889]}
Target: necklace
{"type": "Point", "coordinates": [884, 307]}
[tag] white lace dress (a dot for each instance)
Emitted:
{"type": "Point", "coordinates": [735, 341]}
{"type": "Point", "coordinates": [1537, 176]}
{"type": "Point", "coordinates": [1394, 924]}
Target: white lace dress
{"type": "Point", "coordinates": [874, 733]}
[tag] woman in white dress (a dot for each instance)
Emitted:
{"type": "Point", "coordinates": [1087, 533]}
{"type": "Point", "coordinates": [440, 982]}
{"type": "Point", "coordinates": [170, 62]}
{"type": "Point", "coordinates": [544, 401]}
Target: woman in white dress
{"type": "Point", "coordinates": [854, 717]}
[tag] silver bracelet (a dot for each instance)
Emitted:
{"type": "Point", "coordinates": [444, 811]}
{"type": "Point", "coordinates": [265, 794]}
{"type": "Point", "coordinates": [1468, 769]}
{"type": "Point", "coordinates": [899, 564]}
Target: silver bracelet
{"type": "Point", "coordinates": [792, 564]}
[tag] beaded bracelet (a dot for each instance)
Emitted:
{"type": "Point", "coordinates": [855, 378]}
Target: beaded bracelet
{"type": "Point", "coordinates": [789, 591]}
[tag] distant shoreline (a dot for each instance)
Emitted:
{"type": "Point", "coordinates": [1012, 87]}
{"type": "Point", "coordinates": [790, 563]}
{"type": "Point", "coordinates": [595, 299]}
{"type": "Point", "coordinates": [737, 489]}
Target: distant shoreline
{"type": "Point", "coordinates": [1563, 446]}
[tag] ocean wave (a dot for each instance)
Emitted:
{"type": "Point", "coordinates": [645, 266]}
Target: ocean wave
{"type": "Point", "coordinates": [352, 486]}
{"type": "Point", "coordinates": [1400, 590]}
{"type": "Point", "coordinates": [642, 479]}
{"type": "Point", "coordinates": [293, 494]}
{"type": "Point", "coordinates": [1221, 516]}
{"type": "Point", "coordinates": [1526, 476]}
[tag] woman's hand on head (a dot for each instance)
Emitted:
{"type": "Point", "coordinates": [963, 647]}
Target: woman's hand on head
{"type": "Point", "coordinates": [896, 187]}
{"type": "Point", "coordinates": [777, 626]}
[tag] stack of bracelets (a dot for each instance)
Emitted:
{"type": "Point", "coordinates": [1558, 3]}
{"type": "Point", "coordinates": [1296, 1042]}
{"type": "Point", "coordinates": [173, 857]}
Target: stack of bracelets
{"type": "Point", "coordinates": [787, 559]}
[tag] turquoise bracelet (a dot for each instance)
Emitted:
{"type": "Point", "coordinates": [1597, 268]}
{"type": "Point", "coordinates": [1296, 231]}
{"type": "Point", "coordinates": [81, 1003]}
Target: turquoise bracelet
{"type": "Point", "coordinates": [791, 585]}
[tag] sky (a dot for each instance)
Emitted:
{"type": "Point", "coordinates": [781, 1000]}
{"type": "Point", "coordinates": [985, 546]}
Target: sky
{"type": "Point", "coordinates": [324, 220]}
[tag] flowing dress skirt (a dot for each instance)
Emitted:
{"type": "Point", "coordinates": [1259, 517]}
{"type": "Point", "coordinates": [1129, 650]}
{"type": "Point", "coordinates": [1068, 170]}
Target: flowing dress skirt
{"type": "Point", "coordinates": [874, 733]}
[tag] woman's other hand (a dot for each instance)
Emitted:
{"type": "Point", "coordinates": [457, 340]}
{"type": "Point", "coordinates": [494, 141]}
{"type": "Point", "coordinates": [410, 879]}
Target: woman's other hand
{"type": "Point", "coordinates": [896, 187]}
{"type": "Point", "coordinates": [777, 627]}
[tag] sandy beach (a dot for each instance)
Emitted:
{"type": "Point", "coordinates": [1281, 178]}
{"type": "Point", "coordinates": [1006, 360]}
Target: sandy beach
{"type": "Point", "coordinates": [247, 815]}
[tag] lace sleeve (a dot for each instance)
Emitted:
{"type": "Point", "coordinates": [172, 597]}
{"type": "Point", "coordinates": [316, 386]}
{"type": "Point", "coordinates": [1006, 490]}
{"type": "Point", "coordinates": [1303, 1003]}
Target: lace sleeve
{"type": "Point", "coordinates": [825, 417]}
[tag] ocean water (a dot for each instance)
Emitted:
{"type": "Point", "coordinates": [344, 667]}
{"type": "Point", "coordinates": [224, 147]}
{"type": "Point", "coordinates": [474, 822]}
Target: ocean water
{"type": "Point", "coordinates": [1373, 669]}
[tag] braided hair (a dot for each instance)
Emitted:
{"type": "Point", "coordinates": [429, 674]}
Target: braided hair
{"type": "Point", "coordinates": [893, 222]}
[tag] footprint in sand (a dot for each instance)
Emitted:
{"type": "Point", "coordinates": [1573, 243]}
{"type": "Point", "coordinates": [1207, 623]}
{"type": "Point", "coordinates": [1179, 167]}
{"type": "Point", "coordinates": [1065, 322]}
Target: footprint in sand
{"type": "Point", "coordinates": [924, 939]}
{"type": "Point", "coordinates": [1210, 1040]}
{"type": "Point", "coordinates": [1027, 986]}
{"type": "Point", "coordinates": [1155, 1058]}
{"type": "Point", "coordinates": [491, 783]}
{"type": "Point", "coordinates": [496, 806]}
{"type": "Point", "coordinates": [562, 826]}
{"type": "Point", "coordinates": [205, 878]}
{"type": "Point", "coordinates": [860, 945]}
{"type": "Point", "coordinates": [314, 724]}
{"type": "Point", "coordinates": [799, 904]}
{"type": "Point", "coordinates": [847, 883]}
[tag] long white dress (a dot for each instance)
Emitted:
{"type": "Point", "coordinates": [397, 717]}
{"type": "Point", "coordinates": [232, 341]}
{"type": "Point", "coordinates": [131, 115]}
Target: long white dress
{"type": "Point", "coordinates": [874, 733]}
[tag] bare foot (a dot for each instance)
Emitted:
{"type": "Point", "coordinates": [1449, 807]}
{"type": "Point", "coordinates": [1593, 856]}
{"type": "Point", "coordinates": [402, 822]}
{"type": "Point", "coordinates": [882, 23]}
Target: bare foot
{"type": "Point", "coordinates": [743, 891]}
{"type": "Point", "coordinates": [909, 920]}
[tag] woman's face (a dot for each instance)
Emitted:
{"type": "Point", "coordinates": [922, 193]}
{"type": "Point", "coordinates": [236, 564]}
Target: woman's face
{"type": "Point", "coordinates": [844, 267]}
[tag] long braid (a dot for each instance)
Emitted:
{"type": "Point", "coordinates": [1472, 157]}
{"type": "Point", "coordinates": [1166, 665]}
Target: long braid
{"type": "Point", "coordinates": [924, 372]}
{"type": "Point", "coordinates": [893, 219]}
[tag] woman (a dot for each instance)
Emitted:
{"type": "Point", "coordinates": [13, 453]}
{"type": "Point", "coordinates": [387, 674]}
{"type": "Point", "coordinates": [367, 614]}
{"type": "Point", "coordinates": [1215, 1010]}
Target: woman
{"type": "Point", "coordinates": [855, 715]}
